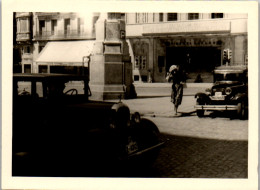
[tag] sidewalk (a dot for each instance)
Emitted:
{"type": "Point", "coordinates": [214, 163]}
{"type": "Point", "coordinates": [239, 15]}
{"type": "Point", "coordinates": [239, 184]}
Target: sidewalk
{"type": "Point", "coordinates": [164, 89]}
{"type": "Point", "coordinates": [160, 106]}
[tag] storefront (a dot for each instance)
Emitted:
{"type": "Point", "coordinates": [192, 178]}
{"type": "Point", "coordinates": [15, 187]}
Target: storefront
{"type": "Point", "coordinates": [196, 45]}
{"type": "Point", "coordinates": [64, 57]}
{"type": "Point", "coordinates": [196, 56]}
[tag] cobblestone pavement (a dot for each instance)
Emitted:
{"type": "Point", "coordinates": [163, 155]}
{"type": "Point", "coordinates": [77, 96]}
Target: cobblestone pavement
{"type": "Point", "coordinates": [187, 157]}
{"type": "Point", "coordinates": [210, 147]}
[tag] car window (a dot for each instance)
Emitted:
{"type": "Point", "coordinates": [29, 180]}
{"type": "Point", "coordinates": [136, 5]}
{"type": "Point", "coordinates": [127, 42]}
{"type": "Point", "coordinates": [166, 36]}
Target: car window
{"type": "Point", "coordinates": [229, 77]}
{"type": "Point", "coordinates": [24, 88]}
{"type": "Point", "coordinates": [39, 89]}
{"type": "Point", "coordinates": [55, 88]}
{"type": "Point", "coordinates": [78, 85]}
{"type": "Point", "coordinates": [232, 77]}
{"type": "Point", "coordinates": [219, 77]}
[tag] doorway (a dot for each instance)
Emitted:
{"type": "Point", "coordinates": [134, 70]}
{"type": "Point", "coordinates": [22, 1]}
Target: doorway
{"type": "Point", "coordinates": [196, 61]}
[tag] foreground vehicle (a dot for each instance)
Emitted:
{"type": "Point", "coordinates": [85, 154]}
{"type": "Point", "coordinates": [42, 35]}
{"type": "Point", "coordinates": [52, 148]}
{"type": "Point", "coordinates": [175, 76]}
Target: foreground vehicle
{"type": "Point", "coordinates": [57, 131]}
{"type": "Point", "coordinates": [229, 92]}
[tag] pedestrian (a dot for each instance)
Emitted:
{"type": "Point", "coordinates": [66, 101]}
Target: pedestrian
{"type": "Point", "coordinates": [176, 75]}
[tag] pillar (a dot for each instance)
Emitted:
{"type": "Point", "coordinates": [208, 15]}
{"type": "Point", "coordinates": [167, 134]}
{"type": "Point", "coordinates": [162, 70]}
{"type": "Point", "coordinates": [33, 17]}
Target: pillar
{"type": "Point", "coordinates": [110, 66]}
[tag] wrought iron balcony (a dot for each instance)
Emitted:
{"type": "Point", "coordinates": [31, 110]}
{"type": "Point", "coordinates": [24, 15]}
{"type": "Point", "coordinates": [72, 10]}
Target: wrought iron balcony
{"type": "Point", "coordinates": [25, 36]}
{"type": "Point", "coordinates": [61, 34]}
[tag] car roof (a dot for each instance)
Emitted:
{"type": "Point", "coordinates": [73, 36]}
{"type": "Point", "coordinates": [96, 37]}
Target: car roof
{"type": "Point", "coordinates": [45, 76]}
{"type": "Point", "coordinates": [230, 69]}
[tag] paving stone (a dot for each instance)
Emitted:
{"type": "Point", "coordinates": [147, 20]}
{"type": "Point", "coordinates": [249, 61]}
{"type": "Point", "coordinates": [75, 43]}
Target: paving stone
{"type": "Point", "coordinates": [196, 147]}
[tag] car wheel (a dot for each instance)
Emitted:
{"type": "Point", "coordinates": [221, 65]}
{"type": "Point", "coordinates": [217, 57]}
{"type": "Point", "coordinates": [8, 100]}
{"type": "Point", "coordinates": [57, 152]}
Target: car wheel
{"type": "Point", "coordinates": [148, 137]}
{"type": "Point", "coordinates": [200, 113]}
{"type": "Point", "coordinates": [241, 110]}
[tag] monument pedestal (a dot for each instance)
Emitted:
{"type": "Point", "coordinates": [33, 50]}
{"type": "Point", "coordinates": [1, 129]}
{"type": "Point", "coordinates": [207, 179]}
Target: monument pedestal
{"type": "Point", "coordinates": [110, 66]}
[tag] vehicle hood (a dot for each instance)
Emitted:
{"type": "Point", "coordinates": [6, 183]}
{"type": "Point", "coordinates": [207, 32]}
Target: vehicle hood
{"type": "Point", "coordinates": [97, 105]}
{"type": "Point", "coordinates": [224, 84]}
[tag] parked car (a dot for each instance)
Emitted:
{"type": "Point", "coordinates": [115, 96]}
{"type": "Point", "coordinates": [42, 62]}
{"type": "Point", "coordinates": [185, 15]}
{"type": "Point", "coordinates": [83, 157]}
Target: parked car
{"type": "Point", "coordinates": [228, 93]}
{"type": "Point", "coordinates": [58, 131]}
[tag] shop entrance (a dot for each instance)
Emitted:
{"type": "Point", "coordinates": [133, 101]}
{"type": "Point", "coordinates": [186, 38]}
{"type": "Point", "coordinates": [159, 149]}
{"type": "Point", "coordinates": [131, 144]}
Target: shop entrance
{"type": "Point", "coordinates": [198, 62]}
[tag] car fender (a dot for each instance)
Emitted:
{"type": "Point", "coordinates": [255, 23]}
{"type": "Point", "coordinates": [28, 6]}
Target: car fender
{"type": "Point", "coordinates": [202, 96]}
{"type": "Point", "coordinates": [240, 96]}
{"type": "Point", "coordinates": [119, 105]}
{"type": "Point", "coordinates": [147, 132]}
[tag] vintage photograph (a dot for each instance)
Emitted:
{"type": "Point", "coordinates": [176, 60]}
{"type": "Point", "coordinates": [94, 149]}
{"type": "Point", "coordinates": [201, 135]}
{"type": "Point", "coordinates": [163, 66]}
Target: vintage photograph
{"type": "Point", "coordinates": [130, 94]}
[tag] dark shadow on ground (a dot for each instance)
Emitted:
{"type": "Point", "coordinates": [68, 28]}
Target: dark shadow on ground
{"type": "Point", "coordinates": [185, 114]}
{"type": "Point", "coordinates": [188, 157]}
{"type": "Point", "coordinates": [222, 114]}
{"type": "Point", "coordinates": [179, 157]}
{"type": "Point", "coordinates": [159, 96]}
{"type": "Point", "coordinates": [179, 114]}
{"type": "Point", "coordinates": [151, 96]}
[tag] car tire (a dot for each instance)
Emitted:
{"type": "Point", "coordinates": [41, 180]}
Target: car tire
{"type": "Point", "coordinates": [149, 136]}
{"type": "Point", "coordinates": [241, 110]}
{"type": "Point", "coordinates": [200, 113]}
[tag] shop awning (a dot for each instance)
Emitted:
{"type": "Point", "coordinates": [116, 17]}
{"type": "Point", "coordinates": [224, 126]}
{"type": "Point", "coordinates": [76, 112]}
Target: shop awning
{"type": "Point", "coordinates": [69, 53]}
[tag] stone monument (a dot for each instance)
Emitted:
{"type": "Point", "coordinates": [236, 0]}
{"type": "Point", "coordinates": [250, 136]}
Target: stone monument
{"type": "Point", "coordinates": [110, 66]}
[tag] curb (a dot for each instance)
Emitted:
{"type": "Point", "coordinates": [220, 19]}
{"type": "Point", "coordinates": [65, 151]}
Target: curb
{"type": "Point", "coordinates": [166, 85]}
{"type": "Point", "coordinates": [180, 114]}
{"type": "Point", "coordinates": [161, 95]}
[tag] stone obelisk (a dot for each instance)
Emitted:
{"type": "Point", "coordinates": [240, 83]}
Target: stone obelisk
{"type": "Point", "coordinates": [110, 66]}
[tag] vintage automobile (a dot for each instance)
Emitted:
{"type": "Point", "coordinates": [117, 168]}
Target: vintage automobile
{"type": "Point", "coordinates": [228, 93]}
{"type": "Point", "coordinates": [58, 131]}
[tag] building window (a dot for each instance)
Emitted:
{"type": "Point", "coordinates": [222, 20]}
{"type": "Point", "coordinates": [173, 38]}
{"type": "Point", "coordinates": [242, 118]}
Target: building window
{"type": "Point", "coordinates": [143, 62]}
{"type": "Point", "coordinates": [123, 16]}
{"type": "Point", "coordinates": [27, 49]}
{"type": "Point", "coordinates": [67, 26]}
{"type": "Point", "coordinates": [193, 16]}
{"type": "Point", "coordinates": [217, 15]}
{"type": "Point", "coordinates": [42, 26]}
{"type": "Point", "coordinates": [53, 27]}
{"type": "Point", "coordinates": [43, 68]}
{"type": "Point", "coordinates": [141, 18]}
{"type": "Point", "coordinates": [137, 62]}
{"type": "Point", "coordinates": [27, 68]}
{"type": "Point", "coordinates": [116, 15]}
{"type": "Point", "coordinates": [23, 25]}
{"type": "Point", "coordinates": [160, 17]}
{"type": "Point", "coordinates": [140, 62]}
{"type": "Point", "coordinates": [136, 77]}
{"type": "Point", "coordinates": [144, 78]}
{"type": "Point", "coordinates": [171, 16]}
{"type": "Point", "coordinates": [160, 63]}
{"type": "Point", "coordinates": [80, 25]}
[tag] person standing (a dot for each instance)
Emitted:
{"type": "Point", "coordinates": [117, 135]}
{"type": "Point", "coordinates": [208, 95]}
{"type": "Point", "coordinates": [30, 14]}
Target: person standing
{"type": "Point", "coordinates": [176, 75]}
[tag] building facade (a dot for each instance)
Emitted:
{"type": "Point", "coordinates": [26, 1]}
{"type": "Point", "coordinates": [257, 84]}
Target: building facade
{"type": "Point", "coordinates": [92, 44]}
{"type": "Point", "coordinates": [195, 41]}
{"type": "Point", "coordinates": [23, 45]}
{"type": "Point", "coordinates": [35, 30]}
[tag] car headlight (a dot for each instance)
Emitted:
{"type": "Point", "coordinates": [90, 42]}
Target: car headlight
{"type": "Point", "coordinates": [136, 117]}
{"type": "Point", "coordinates": [112, 125]}
{"type": "Point", "coordinates": [228, 91]}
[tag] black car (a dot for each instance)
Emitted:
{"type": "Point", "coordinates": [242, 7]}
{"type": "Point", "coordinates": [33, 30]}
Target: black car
{"type": "Point", "coordinates": [58, 131]}
{"type": "Point", "coordinates": [229, 92]}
